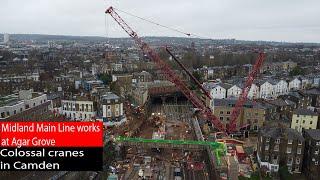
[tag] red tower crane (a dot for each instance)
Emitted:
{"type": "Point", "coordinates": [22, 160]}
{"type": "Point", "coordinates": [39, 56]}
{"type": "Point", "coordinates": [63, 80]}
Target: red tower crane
{"type": "Point", "coordinates": [169, 73]}
{"type": "Point", "coordinates": [232, 126]}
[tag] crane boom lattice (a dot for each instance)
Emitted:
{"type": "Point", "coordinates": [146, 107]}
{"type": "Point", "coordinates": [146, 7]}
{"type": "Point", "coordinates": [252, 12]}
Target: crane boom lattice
{"type": "Point", "coordinates": [244, 94]}
{"type": "Point", "coordinates": [169, 73]}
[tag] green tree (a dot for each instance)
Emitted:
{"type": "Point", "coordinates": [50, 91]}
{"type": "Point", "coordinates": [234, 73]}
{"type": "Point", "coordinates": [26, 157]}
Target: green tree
{"type": "Point", "coordinates": [105, 78]}
{"type": "Point", "coordinates": [198, 76]}
{"type": "Point", "coordinates": [297, 71]}
{"type": "Point", "coordinates": [109, 155]}
{"type": "Point", "coordinates": [284, 173]}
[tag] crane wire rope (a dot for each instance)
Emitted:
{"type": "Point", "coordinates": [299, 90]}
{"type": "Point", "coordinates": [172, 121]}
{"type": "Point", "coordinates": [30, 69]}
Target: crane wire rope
{"type": "Point", "coordinates": [161, 25]}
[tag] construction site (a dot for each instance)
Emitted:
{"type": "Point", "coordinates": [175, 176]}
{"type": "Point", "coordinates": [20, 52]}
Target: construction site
{"type": "Point", "coordinates": [180, 139]}
{"type": "Point", "coordinates": [171, 90]}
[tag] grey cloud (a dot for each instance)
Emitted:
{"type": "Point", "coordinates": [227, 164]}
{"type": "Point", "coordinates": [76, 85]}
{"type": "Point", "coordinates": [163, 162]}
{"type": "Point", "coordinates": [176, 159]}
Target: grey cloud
{"type": "Point", "coordinates": [279, 20]}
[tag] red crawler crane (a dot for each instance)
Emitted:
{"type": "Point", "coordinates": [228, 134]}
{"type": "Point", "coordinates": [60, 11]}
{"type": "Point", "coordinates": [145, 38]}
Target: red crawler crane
{"type": "Point", "coordinates": [204, 91]}
{"type": "Point", "coordinates": [169, 73]}
{"type": "Point", "coordinates": [232, 126]}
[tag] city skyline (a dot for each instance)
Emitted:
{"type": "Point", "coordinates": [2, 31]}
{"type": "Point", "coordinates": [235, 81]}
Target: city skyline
{"type": "Point", "coordinates": [267, 21]}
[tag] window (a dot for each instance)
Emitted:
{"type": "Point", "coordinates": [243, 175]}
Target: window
{"type": "Point", "coordinates": [228, 112]}
{"type": "Point", "coordinates": [299, 142]}
{"type": "Point", "coordinates": [316, 152]}
{"type": "Point", "coordinates": [316, 163]}
{"type": "Point", "coordinates": [297, 160]}
{"type": "Point", "coordinates": [290, 141]}
{"type": "Point", "coordinates": [276, 147]}
{"type": "Point", "coordinates": [275, 157]}
{"type": "Point", "coordinates": [20, 109]}
{"type": "Point", "coordinates": [108, 107]}
{"type": "Point", "coordinates": [303, 121]}
{"type": "Point", "coordinates": [297, 121]}
{"type": "Point", "coordinates": [310, 122]}
{"type": "Point", "coordinates": [289, 150]}
{"type": "Point", "coordinates": [278, 141]}
{"type": "Point", "coordinates": [221, 118]}
{"type": "Point", "coordinates": [268, 139]}
{"type": "Point", "coordinates": [15, 112]}
{"type": "Point", "coordinates": [8, 113]}
{"type": "Point", "coordinates": [266, 158]}
{"type": "Point", "coordinates": [298, 150]}
{"type": "Point", "coordinates": [318, 143]}
{"type": "Point", "coordinates": [221, 112]}
{"type": "Point", "coordinates": [266, 147]}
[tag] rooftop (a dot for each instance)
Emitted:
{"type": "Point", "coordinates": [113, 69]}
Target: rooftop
{"type": "Point", "coordinates": [212, 85]}
{"type": "Point", "coordinates": [307, 112]}
{"type": "Point", "coordinates": [281, 102]}
{"type": "Point", "coordinates": [313, 133]}
{"type": "Point", "coordinates": [109, 96]}
{"type": "Point", "coordinates": [313, 91]}
{"type": "Point", "coordinates": [279, 132]}
{"type": "Point", "coordinates": [9, 100]}
{"type": "Point", "coordinates": [232, 101]}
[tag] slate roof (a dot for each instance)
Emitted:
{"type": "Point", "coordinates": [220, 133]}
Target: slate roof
{"type": "Point", "coordinates": [211, 85]}
{"type": "Point", "coordinates": [225, 86]}
{"type": "Point", "coordinates": [277, 132]}
{"type": "Point", "coordinates": [109, 96]}
{"type": "Point", "coordinates": [230, 102]}
{"type": "Point", "coordinates": [313, 133]}
{"type": "Point", "coordinates": [281, 102]}
{"type": "Point", "coordinates": [313, 91]}
{"type": "Point", "coordinates": [296, 94]}
{"type": "Point", "coordinates": [305, 112]}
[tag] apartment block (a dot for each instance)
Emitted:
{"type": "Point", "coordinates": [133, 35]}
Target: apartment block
{"type": "Point", "coordinates": [279, 146]}
{"type": "Point", "coordinates": [311, 162]}
{"type": "Point", "coordinates": [304, 119]}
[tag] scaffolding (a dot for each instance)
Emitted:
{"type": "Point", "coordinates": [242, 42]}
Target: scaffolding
{"type": "Point", "coordinates": [218, 148]}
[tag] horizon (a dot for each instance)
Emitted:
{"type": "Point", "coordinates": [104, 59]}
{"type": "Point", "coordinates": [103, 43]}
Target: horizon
{"type": "Point", "coordinates": [123, 37]}
{"type": "Point", "coordinates": [260, 21]}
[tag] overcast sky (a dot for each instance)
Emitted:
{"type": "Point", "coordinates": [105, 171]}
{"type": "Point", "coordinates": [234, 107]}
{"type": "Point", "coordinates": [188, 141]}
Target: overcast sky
{"type": "Point", "coordinates": [277, 20]}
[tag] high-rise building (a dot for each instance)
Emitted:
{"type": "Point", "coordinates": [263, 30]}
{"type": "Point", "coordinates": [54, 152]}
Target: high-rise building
{"type": "Point", "coordinates": [6, 38]}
